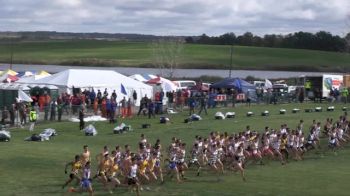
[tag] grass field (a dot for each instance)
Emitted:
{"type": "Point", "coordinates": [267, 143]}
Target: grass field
{"type": "Point", "coordinates": [119, 53]}
{"type": "Point", "coordinates": [37, 168]}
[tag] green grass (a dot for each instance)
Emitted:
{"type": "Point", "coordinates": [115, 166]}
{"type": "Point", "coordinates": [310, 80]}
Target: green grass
{"type": "Point", "coordinates": [37, 168]}
{"type": "Point", "coordinates": [139, 54]}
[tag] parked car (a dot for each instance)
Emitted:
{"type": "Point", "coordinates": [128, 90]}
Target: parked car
{"type": "Point", "coordinates": [184, 84]}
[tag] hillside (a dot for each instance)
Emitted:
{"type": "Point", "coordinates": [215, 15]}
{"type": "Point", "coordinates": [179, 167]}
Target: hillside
{"type": "Point", "coordinates": [139, 54]}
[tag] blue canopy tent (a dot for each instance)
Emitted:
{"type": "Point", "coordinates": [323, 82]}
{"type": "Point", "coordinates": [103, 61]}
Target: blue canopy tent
{"type": "Point", "coordinates": [240, 85]}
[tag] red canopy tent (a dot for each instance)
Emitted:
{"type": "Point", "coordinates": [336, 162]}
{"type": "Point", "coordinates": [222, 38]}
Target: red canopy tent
{"type": "Point", "coordinates": [156, 80]}
{"type": "Point", "coordinates": [9, 78]}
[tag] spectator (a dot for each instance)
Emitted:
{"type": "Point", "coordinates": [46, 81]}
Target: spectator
{"type": "Point", "coordinates": [53, 110]}
{"type": "Point", "coordinates": [12, 114]}
{"type": "Point", "coordinates": [108, 108]}
{"type": "Point", "coordinates": [344, 94]}
{"type": "Point", "coordinates": [96, 106]}
{"type": "Point", "coordinates": [113, 109]}
{"type": "Point", "coordinates": [105, 93]}
{"type": "Point", "coordinates": [47, 100]}
{"type": "Point", "coordinates": [114, 96]}
{"type": "Point", "coordinates": [104, 107]}
{"type": "Point", "coordinates": [99, 97]}
{"type": "Point", "coordinates": [170, 96]}
{"type": "Point", "coordinates": [123, 107]}
{"type": "Point", "coordinates": [143, 105]}
{"type": "Point", "coordinates": [59, 111]}
{"type": "Point", "coordinates": [151, 108]}
{"type": "Point", "coordinates": [203, 103]}
{"type": "Point", "coordinates": [134, 96]}
{"type": "Point", "coordinates": [81, 119]}
{"type": "Point", "coordinates": [92, 97]}
{"type": "Point", "coordinates": [191, 104]}
{"type": "Point", "coordinates": [248, 99]}
{"type": "Point", "coordinates": [129, 107]}
{"type": "Point", "coordinates": [32, 119]}
{"type": "Point", "coordinates": [4, 115]}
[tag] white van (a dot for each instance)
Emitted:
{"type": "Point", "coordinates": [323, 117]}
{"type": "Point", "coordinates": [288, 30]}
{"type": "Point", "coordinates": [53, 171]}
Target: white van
{"type": "Point", "coordinates": [184, 84]}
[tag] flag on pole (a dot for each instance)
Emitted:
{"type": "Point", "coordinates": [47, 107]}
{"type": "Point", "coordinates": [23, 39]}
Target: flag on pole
{"type": "Point", "coordinates": [122, 88]}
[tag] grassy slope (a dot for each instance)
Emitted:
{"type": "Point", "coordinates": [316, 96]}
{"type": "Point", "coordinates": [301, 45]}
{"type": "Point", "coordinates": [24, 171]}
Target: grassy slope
{"type": "Point", "coordinates": [194, 56]}
{"type": "Point", "coordinates": [31, 168]}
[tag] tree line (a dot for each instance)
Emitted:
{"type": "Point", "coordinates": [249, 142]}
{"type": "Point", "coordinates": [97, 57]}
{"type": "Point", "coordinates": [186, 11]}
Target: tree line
{"type": "Point", "coordinates": [321, 40]}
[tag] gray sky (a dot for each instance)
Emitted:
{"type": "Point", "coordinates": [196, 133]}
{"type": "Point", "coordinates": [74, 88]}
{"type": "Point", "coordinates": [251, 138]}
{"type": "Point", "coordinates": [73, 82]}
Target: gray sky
{"type": "Point", "coordinates": [176, 17]}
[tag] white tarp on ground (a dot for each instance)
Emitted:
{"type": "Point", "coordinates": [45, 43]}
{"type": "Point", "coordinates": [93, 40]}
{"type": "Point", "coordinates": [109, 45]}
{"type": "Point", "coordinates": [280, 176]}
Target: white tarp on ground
{"type": "Point", "coordinates": [5, 135]}
{"type": "Point", "coordinates": [89, 119]}
{"type": "Point", "coordinates": [99, 79]}
{"type": "Point", "coordinates": [47, 134]}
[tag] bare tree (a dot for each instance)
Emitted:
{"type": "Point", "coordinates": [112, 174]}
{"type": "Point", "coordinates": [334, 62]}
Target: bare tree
{"type": "Point", "coordinates": [167, 55]}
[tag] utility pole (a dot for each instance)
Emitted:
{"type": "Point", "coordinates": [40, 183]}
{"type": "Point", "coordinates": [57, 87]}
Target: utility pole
{"type": "Point", "coordinates": [230, 72]}
{"type": "Point", "coordinates": [11, 51]}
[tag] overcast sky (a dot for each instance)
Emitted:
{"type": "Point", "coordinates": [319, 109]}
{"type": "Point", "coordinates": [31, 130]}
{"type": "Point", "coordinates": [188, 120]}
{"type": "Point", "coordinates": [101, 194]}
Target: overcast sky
{"type": "Point", "coordinates": [176, 17]}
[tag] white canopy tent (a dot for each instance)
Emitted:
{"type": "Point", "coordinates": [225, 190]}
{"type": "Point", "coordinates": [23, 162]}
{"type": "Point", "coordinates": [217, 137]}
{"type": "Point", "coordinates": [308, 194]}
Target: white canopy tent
{"type": "Point", "coordinates": [22, 96]}
{"type": "Point", "coordinates": [98, 79]}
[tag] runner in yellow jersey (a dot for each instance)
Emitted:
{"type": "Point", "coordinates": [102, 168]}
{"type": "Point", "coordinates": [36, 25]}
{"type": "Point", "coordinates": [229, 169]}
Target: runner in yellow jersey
{"type": "Point", "coordinates": [75, 167]}
{"type": "Point", "coordinates": [85, 156]}
{"type": "Point", "coordinates": [113, 171]}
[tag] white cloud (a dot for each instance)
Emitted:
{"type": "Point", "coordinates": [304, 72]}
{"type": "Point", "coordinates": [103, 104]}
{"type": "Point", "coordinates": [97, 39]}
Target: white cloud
{"type": "Point", "coordinates": [180, 17]}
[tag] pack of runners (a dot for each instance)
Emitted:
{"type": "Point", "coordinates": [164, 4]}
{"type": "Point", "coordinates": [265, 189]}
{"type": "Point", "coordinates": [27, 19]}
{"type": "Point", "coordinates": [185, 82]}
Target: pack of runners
{"type": "Point", "coordinates": [219, 152]}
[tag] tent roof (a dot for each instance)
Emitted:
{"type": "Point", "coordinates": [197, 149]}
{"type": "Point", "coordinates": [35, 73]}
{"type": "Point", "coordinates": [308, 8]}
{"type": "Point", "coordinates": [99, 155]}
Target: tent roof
{"type": "Point", "coordinates": [166, 84]}
{"type": "Point", "coordinates": [31, 79]}
{"type": "Point", "coordinates": [232, 83]}
{"type": "Point", "coordinates": [13, 86]}
{"type": "Point", "coordinates": [143, 77]}
{"type": "Point", "coordinates": [9, 72]}
{"type": "Point", "coordinates": [43, 73]}
{"type": "Point", "coordinates": [154, 81]}
{"type": "Point", "coordinates": [8, 78]}
{"type": "Point", "coordinates": [82, 78]}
